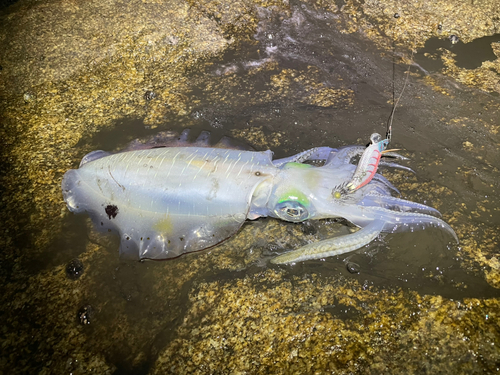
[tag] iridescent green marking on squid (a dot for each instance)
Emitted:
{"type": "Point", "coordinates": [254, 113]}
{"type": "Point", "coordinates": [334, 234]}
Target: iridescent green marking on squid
{"type": "Point", "coordinates": [297, 165]}
{"type": "Point", "coordinates": [295, 195]}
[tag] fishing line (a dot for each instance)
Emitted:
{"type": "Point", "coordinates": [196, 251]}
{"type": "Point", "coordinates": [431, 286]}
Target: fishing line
{"type": "Point", "coordinates": [369, 161]}
{"type": "Point", "coordinates": [395, 102]}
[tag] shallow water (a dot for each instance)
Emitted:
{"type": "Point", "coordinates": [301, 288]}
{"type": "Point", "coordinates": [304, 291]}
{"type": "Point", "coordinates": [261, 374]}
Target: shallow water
{"type": "Point", "coordinates": [449, 131]}
{"type": "Point", "coordinates": [468, 55]}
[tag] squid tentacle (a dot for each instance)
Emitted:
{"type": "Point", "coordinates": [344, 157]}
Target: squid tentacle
{"type": "Point", "coordinates": [395, 155]}
{"type": "Point", "coordinates": [344, 156]}
{"type": "Point", "coordinates": [396, 221]}
{"type": "Point", "coordinates": [332, 246]}
{"type": "Point", "coordinates": [297, 158]}
{"type": "Point", "coordinates": [389, 223]}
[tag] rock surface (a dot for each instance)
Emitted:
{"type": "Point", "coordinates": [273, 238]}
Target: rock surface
{"type": "Point", "coordinates": [78, 76]}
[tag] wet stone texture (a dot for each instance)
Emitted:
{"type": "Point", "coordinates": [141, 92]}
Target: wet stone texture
{"type": "Point", "coordinates": [286, 76]}
{"type": "Point", "coordinates": [311, 324]}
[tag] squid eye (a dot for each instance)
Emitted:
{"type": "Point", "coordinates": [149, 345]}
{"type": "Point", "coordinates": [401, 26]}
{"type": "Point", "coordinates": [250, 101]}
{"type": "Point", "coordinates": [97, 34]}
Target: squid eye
{"type": "Point", "coordinates": [291, 211]}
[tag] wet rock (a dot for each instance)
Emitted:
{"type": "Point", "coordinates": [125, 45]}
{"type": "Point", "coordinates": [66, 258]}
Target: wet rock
{"type": "Point", "coordinates": [466, 19]}
{"type": "Point", "coordinates": [279, 322]}
{"type": "Point", "coordinates": [352, 267]}
{"type": "Point", "coordinates": [257, 322]}
{"type": "Point", "coordinates": [74, 269]}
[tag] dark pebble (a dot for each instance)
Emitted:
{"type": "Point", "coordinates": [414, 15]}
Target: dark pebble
{"type": "Point", "coordinates": [149, 95]}
{"type": "Point", "coordinates": [74, 269]}
{"type": "Point", "coordinates": [396, 15]}
{"type": "Point", "coordinates": [454, 39]}
{"type": "Point", "coordinates": [352, 267]}
{"type": "Point", "coordinates": [86, 314]}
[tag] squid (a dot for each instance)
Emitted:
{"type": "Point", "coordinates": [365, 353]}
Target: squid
{"type": "Point", "coordinates": [166, 198]}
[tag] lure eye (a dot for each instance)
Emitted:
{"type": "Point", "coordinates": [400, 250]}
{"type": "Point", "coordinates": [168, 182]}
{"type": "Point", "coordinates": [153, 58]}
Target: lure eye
{"type": "Point", "coordinates": [291, 211]}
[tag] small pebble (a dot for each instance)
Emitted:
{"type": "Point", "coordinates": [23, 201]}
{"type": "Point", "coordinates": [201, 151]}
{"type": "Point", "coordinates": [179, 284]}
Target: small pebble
{"type": "Point", "coordinates": [86, 314]}
{"type": "Point", "coordinates": [352, 267]}
{"type": "Point", "coordinates": [74, 269]}
{"type": "Point", "coordinates": [396, 15]}
{"type": "Point", "coordinates": [272, 248]}
{"type": "Point", "coordinates": [149, 95]}
{"type": "Point", "coordinates": [454, 39]}
{"type": "Point", "coordinates": [29, 97]}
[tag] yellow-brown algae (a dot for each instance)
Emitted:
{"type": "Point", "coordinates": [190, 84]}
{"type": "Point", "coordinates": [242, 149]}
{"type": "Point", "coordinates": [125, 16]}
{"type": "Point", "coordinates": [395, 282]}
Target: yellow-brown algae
{"type": "Point", "coordinates": [418, 21]}
{"type": "Point", "coordinates": [282, 325]}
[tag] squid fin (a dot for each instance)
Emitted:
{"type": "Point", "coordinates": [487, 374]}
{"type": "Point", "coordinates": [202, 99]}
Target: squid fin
{"type": "Point", "coordinates": [91, 156]}
{"type": "Point", "coordinates": [174, 139]}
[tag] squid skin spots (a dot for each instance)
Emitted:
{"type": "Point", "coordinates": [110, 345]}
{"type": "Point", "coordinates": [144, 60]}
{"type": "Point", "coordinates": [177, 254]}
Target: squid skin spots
{"type": "Point", "coordinates": [111, 211]}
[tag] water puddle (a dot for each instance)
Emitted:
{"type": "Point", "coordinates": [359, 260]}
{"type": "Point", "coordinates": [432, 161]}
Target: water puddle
{"type": "Point", "coordinates": [468, 55]}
